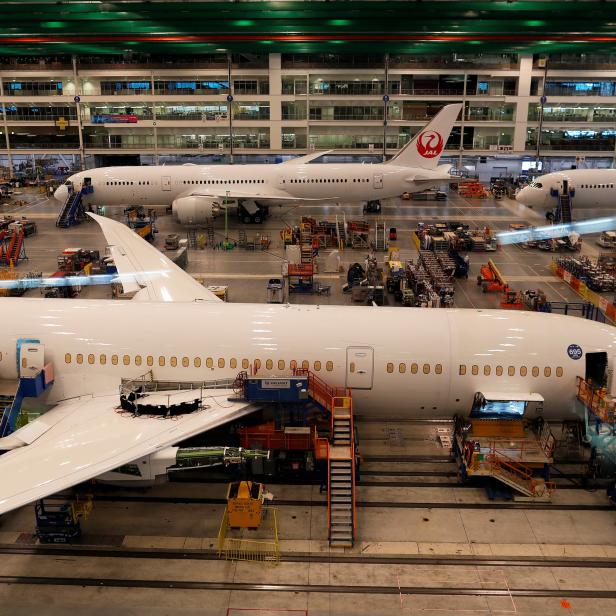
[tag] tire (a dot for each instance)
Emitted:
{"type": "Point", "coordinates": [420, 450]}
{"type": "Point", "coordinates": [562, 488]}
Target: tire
{"type": "Point", "coordinates": [246, 219]}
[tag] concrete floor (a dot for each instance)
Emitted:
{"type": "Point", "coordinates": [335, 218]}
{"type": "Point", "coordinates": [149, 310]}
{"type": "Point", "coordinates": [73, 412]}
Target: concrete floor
{"type": "Point", "coordinates": [420, 530]}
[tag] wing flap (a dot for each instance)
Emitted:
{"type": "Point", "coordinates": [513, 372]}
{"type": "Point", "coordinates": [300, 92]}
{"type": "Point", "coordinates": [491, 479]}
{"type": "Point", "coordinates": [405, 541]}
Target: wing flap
{"type": "Point", "coordinates": [142, 267]}
{"type": "Point", "coordinates": [86, 437]}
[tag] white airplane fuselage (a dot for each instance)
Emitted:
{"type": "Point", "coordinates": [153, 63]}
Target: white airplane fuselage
{"type": "Point", "coordinates": [590, 188]}
{"type": "Point", "coordinates": [421, 363]}
{"type": "Point", "coordinates": [161, 185]}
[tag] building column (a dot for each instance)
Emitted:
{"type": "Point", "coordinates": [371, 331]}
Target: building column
{"type": "Point", "coordinates": [523, 98]}
{"type": "Point", "coordinates": [275, 90]}
{"type": "Point", "coordinates": [6, 132]}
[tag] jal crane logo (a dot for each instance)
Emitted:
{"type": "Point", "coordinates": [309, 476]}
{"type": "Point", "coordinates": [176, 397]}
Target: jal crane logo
{"type": "Point", "coordinates": [429, 144]}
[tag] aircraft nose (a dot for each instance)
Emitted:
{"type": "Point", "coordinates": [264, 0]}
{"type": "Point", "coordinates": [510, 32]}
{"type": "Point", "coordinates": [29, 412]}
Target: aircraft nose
{"type": "Point", "coordinates": [61, 194]}
{"type": "Point", "coordinates": [525, 196]}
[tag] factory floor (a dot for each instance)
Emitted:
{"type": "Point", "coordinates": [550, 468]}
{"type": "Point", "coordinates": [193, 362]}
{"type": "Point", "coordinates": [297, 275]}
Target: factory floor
{"type": "Point", "coordinates": [425, 544]}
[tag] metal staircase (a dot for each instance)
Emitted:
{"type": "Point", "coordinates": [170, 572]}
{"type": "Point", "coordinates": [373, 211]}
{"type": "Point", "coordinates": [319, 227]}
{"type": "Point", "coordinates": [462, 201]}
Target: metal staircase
{"type": "Point", "coordinates": [191, 236]}
{"type": "Point", "coordinates": [563, 213]}
{"type": "Point", "coordinates": [341, 232]}
{"type": "Point", "coordinates": [13, 249]}
{"type": "Point", "coordinates": [517, 476]}
{"type": "Point", "coordinates": [73, 211]}
{"type": "Point", "coordinates": [305, 243]}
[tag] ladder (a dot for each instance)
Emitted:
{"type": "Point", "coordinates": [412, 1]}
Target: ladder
{"type": "Point", "coordinates": [341, 475]}
{"type": "Point", "coordinates": [243, 241]}
{"type": "Point", "coordinates": [209, 228]}
{"type": "Point", "coordinates": [380, 242]}
{"type": "Point", "coordinates": [305, 236]}
{"type": "Point", "coordinates": [13, 250]}
{"type": "Point", "coordinates": [341, 232]}
{"type": "Point", "coordinates": [563, 213]}
{"type": "Point", "coordinates": [518, 476]}
{"type": "Point", "coordinates": [72, 211]}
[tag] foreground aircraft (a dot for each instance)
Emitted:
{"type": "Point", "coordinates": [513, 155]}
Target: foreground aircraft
{"type": "Point", "coordinates": [197, 192]}
{"type": "Point", "coordinates": [411, 362]}
{"type": "Point", "coordinates": [588, 188]}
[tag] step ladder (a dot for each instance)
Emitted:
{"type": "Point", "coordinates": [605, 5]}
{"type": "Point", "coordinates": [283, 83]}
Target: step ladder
{"type": "Point", "coordinates": [243, 241]}
{"type": "Point", "coordinates": [73, 211]}
{"type": "Point", "coordinates": [341, 470]}
{"type": "Point", "coordinates": [563, 213]}
{"type": "Point", "coordinates": [191, 236]}
{"type": "Point", "coordinates": [444, 437]}
{"type": "Point", "coordinates": [209, 229]}
{"type": "Point", "coordinates": [305, 237]}
{"type": "Point", "coordinates": [13, 249]}
{"type": "Point", "coordinates": [341, 233]}
{"type": "Point", "coordinates": [380, 241]}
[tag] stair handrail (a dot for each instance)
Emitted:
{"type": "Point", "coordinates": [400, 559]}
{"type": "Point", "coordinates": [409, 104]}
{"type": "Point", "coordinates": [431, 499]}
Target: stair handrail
{"type": "Point", "coordinates": [498, 460]}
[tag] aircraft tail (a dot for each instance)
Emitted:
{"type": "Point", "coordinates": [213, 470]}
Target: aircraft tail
{"type": "Point", "coordinates": [425, 149]}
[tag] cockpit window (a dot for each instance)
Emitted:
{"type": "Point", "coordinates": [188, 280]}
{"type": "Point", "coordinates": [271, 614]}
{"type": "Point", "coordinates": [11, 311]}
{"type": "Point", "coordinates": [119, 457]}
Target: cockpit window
{"type": "Point", "coordinates": [537, 185]}
{"type": "Point", "coordinates": [68, 183]}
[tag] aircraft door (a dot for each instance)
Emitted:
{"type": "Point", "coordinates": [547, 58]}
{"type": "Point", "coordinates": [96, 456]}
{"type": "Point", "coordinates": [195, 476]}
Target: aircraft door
{"type": "Point", "coordinates": [166, 182]}
{"type": "Point", "coordinates": [360, 367]}
{"type": "Point", "coordinates": [31, 358]}
{"type": "Point", "coordinates": [378, 180]}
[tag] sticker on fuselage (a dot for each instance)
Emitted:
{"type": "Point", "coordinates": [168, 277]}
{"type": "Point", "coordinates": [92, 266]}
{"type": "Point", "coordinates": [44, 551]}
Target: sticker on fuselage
{"type": "Point", "coordinates": [574, 351]}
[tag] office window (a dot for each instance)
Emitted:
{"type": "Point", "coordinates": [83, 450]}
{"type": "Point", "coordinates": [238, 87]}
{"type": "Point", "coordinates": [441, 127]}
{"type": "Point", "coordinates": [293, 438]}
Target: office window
{"type": "Point", "coordinates": [281, 364]}
{"type": "Point", "coordinates": [150, 360]}
{"type": "Point", "coordinates": [161, 360]}
{"type": "Point", "coordinates": [547, 372]}
{"type": "Point", "coordinates": [487, 370]}
{"type": "Point", "coordinates": [402, 368]}
{"type": "Point", "coordinates": [197, 362]}
{"type": "Point", "coordinates": [438, 369]}
{"type": "Point", "coordinates": [209, 362]}
{"type": "Point", "coordinates": [67, 358]}
{"type": "Point", "coordinates": [523, 370]}
{"type": "Point", "coordinates": [329, 366]}
{"type": "Point", "coordinates": [269, 364]}
{"type": "Point", "coordinates": [138, 360]}
{"type": "Point", "coordinates": [414, 368]}
{"type": "Point", "coordinates": [221, 362]}
{"type": "Point", "coordinates": [475, 370]}
{"type": "Point", "coordinates": [511, 370]}
{"type": "Point", "coordinates": [126, 360]}
{"type": "Point", "coordinates": [233, 363]}
{"type": "Point", "coordinates": [559, 371]}
{"type": "Point", "coordinates": [245, 364]}
{"type": "Point", "coordinates": [390, 367]}
{"type": "Point", "coordinates": [185, 362]}
{"type": "Point", "coordinates": [426, 368]}
{"type": "Point", "coordinates": [535, 371]}
{"type": "Point", "coordinates": [103, 359]}
{"type": "Point", "coordinates": [317, 366]}
{"type": "Point", "coordinates": [79, 358]}
{"type": "Point", "coordinates": [173, 361]}
{"type": "Point", "coordinates": [499, 371]}
{"type": "Point", "coordinates": [462, 370]}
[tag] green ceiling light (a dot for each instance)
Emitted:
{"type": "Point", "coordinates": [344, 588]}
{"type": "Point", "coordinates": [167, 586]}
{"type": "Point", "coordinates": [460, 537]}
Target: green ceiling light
{"type": "Point", "coordinates": [338, 42]}
{"type": "Point", "coordinates": [53, 24]}
{"type": "Point", "coordinates": [534, 22]}
{"type": "Point", "coordinates": [266, 42]}
{"type": "Point", "coordinates": [243, 22]}
{"type": "Point", "coordinates": [339, 22]}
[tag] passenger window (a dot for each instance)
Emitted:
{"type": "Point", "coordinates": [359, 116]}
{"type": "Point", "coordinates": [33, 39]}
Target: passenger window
{"type": "Point", "coordinates": [305, 365]}
{"type": "Point", "coordinates": [79, 358]}
{"type": "Point", "coordinates": [317, 366]}
{"type": "Point", "coordinates": [438, 369]}
{"type": "Point", "coordinates": [221, 362]}
{"type": "Point", "coordinates": [523, 371]}
{"type": "Point", "coordinates": [329, 366]}
{"type": "Point", "coordinates": [402, 368]}
{"type": "Point", "coordinates": [511, 370]}
{"type": "Point", "coordinates": [462, 370]}
{"type": "Point", "coordinates": [137, 360]}
{"type": "Point", "coordinates": [352, 367]}
{"type": "Point", "coordinates": [185, 362]}
{"type": "Point", "coordinates": [161, 360]}
{"type": "Point", "coordinates": [197, 362]}
{"type": "Point", "coordinates": [559, 371]}
{"type": "Point", "coordinates": [103, 359]}
{"type": "Point", "coordinates": [173, 361]}
{"type": "Point", "coordinates": [414, 368]}
{"type": "Point", "coordinates": [281, 364]}
{"type": "Point", "coordinates": [426, 368]}
{"type": "Point", "coordinates": [390, 367]}
{"type": "Point", "coordinates": [269, 364]}
{"type": "Point", "coordinates": [150, 360]}
{"type": "Point", "coordinates": [90, 359]}
{"type": "Point", "coordinates": [499, 371]}
{"type": "Point", "coordinates": [487, 370]}
{"type": "Point", "coordinates": [293, 365]}
{"type": "Point", "coordinates": [535, 371]}
{"type": "Point", "coordinates": [67, 358]}
{"type": "Point", "coordinates": [233, 363]}
{"type": "Point", "coordinates": [475, 370]}
{"type": "Point", "coordinates": [209, 362]}
{"type": "Point", "coordinates": [245, 364]}
{"type": "Point", "coordinates": [126, 360]}
{"type": "Point", "coordinates": [547, 372]}
{"type": "Point", "coordinates": [257, 364]}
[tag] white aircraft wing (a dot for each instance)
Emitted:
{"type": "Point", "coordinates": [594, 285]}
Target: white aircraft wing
{"type": "Point", "coordinates": [84, 437]}
{"type": "Point", "coordinates": [264, 193]}
{"type": "Point", "coordinates": [143, 268]}
{"type": "Point", "coordinates": [301, 160]}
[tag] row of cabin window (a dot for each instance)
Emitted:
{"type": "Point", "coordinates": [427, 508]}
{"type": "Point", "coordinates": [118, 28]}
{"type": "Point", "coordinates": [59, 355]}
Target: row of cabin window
{"type": "Point", "coordinates": [143, 183]}
{"type": "Point", "coordinates": [414, 368]}
{"type": "Point", "coordinates": [197, 362]}
{"type": "Point", "coordinates": [324, 181]}
{"type": "Point", "coordinates": [597, 186]}
{"type": "Point", "coordinates": [223, 181]}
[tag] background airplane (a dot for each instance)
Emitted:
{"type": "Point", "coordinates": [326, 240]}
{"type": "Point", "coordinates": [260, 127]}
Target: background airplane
{"type": "Point", "coordinates": [197, 192]}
